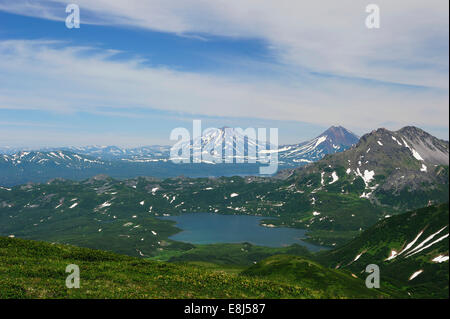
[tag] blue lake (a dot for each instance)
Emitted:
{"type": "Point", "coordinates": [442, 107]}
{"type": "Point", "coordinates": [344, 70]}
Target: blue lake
{"type": "Point", "coordinates": [206, 228]}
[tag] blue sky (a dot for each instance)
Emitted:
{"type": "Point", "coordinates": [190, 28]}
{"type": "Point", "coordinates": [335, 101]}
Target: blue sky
{"type": "Point", "coordinates": [136, 70]}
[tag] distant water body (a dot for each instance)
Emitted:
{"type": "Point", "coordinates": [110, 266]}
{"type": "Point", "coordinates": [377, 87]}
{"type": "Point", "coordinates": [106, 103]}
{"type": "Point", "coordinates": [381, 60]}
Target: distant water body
{"type": "Point", "coordinates": [207, 228]}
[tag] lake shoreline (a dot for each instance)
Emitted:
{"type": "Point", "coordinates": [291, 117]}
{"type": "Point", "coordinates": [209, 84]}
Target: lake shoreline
{"type": "Point", "coordinates": [212, 228]}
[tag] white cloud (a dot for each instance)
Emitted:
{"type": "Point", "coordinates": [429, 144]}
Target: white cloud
{"type": "Point", "coordinates": [323, 36]}
{"type": "Point", "coordinates": [43, 75]}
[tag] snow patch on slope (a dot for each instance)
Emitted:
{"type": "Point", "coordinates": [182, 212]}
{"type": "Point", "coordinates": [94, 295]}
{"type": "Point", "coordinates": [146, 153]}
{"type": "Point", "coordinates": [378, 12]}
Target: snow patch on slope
{"type": "Point", "coordinates": [335, 178]}
{"type": "Point", "coordinates": [440, 259]}
{"type": "Point", "coordinates": [415, 274]}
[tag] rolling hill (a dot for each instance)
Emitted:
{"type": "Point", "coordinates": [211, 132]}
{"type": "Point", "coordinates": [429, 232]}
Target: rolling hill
{"type": "Point", "coordinates": [298, 270]}
{"type": "Point", "coordinates": [37, 270]}
{"type": "Point", "coordinates": [411, 250]}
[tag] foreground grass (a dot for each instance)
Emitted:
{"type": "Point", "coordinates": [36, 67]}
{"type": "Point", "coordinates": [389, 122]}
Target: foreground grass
{"type": "Point", "coordinates": [37, 270]}
{"type": "Point", "coordinates": [332, 283]}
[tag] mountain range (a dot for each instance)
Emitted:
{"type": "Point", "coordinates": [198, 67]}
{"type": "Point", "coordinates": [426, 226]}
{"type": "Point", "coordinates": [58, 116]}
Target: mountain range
{"type": "Point", "coordinates": [17, 167]}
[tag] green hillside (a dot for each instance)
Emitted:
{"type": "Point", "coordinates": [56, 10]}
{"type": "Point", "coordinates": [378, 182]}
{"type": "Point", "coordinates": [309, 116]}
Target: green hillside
{"type": "Point", "coordinates": [402, 245]}
{"type": "Point", "coordinates": [304, 272]}
{"type": "Point", "coordinates": [37, 270]}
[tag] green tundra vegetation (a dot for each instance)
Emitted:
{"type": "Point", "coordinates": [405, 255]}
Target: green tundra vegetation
{"type": "Point", "coordinates": [32, 269]}
{"type": "Point", "coordinates": [417, 239]}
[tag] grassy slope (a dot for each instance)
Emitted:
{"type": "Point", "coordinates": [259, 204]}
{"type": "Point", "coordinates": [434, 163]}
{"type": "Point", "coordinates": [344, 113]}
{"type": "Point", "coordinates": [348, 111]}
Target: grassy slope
{"type": "Point", "coordinates": [37, 270]}
{"type": "Point", "coordinates": [298, 270]}
{"type": "Point", "coordinates": [395, 233]}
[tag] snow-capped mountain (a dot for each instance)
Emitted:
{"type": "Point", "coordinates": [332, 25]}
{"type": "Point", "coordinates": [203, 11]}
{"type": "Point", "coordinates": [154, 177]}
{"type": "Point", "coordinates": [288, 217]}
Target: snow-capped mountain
{"type": "Point", "coordinates": [246, 151]}
{"type": "Point", "coordinates": [37, 166]}
{"type": "Point", "coordinates": [335, 139]}
{"type": "Point", "coordinates": [49, 159]}
{"type": "Point", "coordinates": [407, 157]}
{"type": "Point", "coordinates": [114, 152]}
{"type": "Point", "coordinates": [213, 143]}
{"type": "Point", "coordinates": [101, 152]}
{"type": "Point", "coordinates": [8, 150]}
{"type": "Point", "coordinates": [226, 144]}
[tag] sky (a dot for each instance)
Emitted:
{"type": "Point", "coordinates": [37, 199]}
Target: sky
{"type": "Point", "coordinates": [135, 70]}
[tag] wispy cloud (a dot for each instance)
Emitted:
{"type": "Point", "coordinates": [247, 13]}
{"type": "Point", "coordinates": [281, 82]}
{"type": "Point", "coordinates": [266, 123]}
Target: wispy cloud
{"type": "Point", "coordinates": [327, 67]}
{"type": "Point", "coordinates": [328, 37]}
{"type": "Point", "coordinates": [48, 76]}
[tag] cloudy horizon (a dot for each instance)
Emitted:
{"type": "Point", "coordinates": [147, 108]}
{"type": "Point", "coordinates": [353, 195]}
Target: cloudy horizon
{"type": "Point", "coordinates": [135, 70]}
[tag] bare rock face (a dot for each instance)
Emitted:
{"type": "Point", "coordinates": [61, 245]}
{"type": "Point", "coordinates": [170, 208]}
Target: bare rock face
{"type": "Point", "coordinates": [431, 149]}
